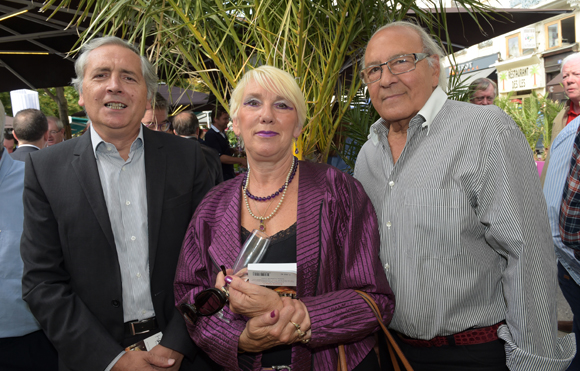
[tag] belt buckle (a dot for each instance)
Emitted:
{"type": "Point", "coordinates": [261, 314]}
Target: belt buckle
{"type": "Point", "coordinates": [278, 368]}
{"type": "Point", "coordinates": [139, 322]}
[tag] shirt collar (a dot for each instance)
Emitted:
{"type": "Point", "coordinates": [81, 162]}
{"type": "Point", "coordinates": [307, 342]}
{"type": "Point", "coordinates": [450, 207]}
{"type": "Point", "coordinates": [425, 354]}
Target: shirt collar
{"type": "Point", "coordinates": [96, 139]}
{"type": "Point", "coordinates": [27, 145]}
{"type": "Point", "coordinates": [215, 129]}
{"type": "Point", "coordinates": [429, 112]}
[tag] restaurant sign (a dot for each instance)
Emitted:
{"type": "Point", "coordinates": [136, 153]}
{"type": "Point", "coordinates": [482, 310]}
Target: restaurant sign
{"type": "Point", "coordinates": [521, 78]}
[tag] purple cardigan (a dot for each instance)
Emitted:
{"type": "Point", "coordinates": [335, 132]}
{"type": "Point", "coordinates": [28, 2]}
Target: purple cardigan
{"type": "Point", "coordinates": [337, 251]}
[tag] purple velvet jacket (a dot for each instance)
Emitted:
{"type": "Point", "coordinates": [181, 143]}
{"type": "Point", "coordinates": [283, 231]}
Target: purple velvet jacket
{"type": "Point", "coordinates": [337, 251]}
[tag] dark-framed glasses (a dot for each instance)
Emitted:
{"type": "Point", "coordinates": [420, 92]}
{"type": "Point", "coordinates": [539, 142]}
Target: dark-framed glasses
{"type": "Point", "coordinates": [162, 126]}
{"type": "Point", "coordinates": [396, 65]}
{"type": "Point", "coordinates": [206, 303]}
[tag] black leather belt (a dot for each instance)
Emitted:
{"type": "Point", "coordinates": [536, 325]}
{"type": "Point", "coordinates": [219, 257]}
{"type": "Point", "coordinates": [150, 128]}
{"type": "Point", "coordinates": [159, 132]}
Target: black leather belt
{"type": "Point", "coordinates": [140, 327]}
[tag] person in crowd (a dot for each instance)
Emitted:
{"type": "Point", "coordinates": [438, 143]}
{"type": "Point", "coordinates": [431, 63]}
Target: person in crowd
{"type": "Point", "coordinates": [9, 142]}
{"type": "Point", "coordinates": [571, 80]}
{"type": "Point", "coordinates": [317, 217]}
{"type": "Point", "coordinates": [217, 139]}
{"type": "Point", "coordinates": [156, 116]}
{"type": "Point", "coordinates": [23, 344]}
{"type": "Point", "coordinates": [186, 125]}
{"type": "Point", "coordinates": [482, 91]}
{"type": "Point", "coordinates": [55, 131]}
{"type": "Point", "coordinates": [31, 132]}
{"type": "Point", "coordinates": [465, 240]}
{"type": "Point", "coordinates": [568, 258]}
{"type": "Point", "coordinates": [103, 230]}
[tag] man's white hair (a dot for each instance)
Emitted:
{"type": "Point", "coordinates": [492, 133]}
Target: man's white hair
{"type": "Point", "coordinates": [429, 46]}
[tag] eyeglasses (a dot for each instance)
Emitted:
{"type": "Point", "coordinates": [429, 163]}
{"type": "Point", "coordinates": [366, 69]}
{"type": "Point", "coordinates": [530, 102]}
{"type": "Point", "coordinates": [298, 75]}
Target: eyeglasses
{"type": "Point", "coordinates": [206, 303]}
{"type": "Point", "coordinates": [54, 132]}
{"type": "Point", "coordinates": [396, 65]}
{"type": "Point", "coordinates": [163, 126]}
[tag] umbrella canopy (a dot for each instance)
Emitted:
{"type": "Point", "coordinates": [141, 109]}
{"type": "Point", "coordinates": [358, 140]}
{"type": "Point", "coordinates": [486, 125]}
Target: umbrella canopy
{"type": "Point", "coordinates": [464, 31]}
{"type": "Point", "coordinates": [184, 97]}
{"type": "Point", "coordinates": [33, 49]}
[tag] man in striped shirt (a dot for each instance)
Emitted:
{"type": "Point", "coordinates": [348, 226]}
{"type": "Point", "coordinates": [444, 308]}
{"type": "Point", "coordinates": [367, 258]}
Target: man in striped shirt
{"type": "Point", "coordinates": [465, 240]}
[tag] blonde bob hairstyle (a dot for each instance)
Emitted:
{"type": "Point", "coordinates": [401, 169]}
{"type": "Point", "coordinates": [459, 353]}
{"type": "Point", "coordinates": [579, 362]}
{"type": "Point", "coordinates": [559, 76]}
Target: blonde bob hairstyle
{"type": "Point", "coordinates": [275, 81]}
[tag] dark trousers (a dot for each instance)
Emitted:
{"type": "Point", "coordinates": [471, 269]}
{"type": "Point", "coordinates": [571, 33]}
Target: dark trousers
{"type": "Point", "coordinates": [480, 357]}
{"type": "Point", "coordinates": [571, 292]}
{"type": "Point", "coordinates": [32, 352]}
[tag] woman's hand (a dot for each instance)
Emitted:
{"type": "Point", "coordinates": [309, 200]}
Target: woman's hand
{"type": "Point", "coordinates": [248, 299]}
{"type": "Point", "coordinates": [276, 328]}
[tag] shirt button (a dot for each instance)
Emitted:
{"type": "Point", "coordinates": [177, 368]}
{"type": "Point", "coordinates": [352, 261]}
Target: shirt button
{"type": "Point", "coordinates": [108, 148]}
{"type": "Point", "coordinates": [123, 168]}
{"type": "Point", "coordinates": [387, 266]}
{"type": "Point", "coordinates": [115, 303]}
{"type": "Point", "coordinates": [143, 312]}
{"type": "Point", "coordinates": [133, 238]}
{"type": "Point", "coordinates": [391, 183]}
{"type": "Point", "coordinates": [138, 275]}
{"type": "Point", "coordinates": [389, 224]}
{"type": "Point", "coordinates": [127, 203]}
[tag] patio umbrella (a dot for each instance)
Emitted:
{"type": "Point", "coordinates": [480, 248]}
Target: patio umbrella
{"type": "Point", "coordinates": [184, 97]}
{"type": "Point", "coordinates": [33, 49]}
{"type": "Point", "coordinates": [464, 31]}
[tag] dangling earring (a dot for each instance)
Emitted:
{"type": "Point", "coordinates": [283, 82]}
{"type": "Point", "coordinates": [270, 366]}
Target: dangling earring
{"type": "Point", "coordinates": [296, 146]}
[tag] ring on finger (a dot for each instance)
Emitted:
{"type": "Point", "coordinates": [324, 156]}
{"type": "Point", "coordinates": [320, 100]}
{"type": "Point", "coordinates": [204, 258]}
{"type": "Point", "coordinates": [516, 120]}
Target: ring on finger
{"type": "Point", "coordinates": [296, 325]}
{"type": "Point", "coordinates": [225, 290]}
{"type": "Point", "coordinates": [300, 333]}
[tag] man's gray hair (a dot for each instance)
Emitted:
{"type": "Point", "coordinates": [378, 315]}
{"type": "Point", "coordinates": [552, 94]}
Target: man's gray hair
{"type": "Point", "coordinates": [56, 121]}
{"type": "Point", "coordinates": [481, 84]}
{"type": "Point", "coordinates": [429, 46]}
{"type": "Point", "coordinates": [146, 67]}
{"type": "Point", "coordinates": [2, 121]}
{"type": "Point", "coordinates": [160, 103]}
{"type": "Point", "coordinates": [570, 58]}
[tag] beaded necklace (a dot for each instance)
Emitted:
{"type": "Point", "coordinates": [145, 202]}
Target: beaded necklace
{"type": "Point", "coordinates": [273, 195]}
{"type": "Point", "coordinates": [262, 219]}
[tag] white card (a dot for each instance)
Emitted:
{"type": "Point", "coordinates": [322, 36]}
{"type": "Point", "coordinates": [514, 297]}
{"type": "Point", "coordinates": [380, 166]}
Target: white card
{"type": "Point", "coordinates": [282, 274]}
{"type": "Point", "coordinates": [153, 340]}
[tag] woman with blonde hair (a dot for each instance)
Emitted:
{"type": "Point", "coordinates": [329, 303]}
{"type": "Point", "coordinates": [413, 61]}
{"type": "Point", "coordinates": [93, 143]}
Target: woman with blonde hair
{"type": "Point", "coordinates": [317, 217]}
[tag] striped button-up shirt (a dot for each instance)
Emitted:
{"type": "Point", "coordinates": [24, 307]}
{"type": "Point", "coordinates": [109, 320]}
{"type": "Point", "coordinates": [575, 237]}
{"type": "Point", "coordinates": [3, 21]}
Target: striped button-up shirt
{"type": "Point", "coordinates": [558, 170]}
{"type": "Point", "coordinates": [465, 240]}
{"type": "Point", "coordinates": [125, 193]}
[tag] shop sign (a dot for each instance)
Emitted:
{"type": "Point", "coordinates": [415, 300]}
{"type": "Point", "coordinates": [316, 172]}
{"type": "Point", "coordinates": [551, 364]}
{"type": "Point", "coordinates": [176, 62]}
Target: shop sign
{"type": "Point", "coordinates": [521, 78]}
{"type": "Point", "coordinates": [528, 38]}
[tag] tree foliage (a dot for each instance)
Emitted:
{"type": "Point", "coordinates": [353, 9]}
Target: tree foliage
{"type": "Point", "coordinates": [319, 42]}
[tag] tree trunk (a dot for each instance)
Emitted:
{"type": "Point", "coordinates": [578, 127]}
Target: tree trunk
{"type": "Point", "coordinates": [60, 100]}
{"type": "Point", "coordinates": [63, 111]}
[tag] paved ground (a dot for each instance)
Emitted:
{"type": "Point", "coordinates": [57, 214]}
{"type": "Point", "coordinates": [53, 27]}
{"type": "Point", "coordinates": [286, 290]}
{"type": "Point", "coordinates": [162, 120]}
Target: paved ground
{"type": "Point", "coordinates": [564, 311]}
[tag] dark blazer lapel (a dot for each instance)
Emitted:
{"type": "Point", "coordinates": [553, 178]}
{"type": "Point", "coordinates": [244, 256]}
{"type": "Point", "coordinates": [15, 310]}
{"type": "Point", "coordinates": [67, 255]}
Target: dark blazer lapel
{"type": "Point", "coordinates": [310, 197]}
{"type": "Point", "coordinates": [155, 164]}
{"type": "Point", "coordinates": [226, 244]}
{"type": "Point", "coordinates": [85, 168]}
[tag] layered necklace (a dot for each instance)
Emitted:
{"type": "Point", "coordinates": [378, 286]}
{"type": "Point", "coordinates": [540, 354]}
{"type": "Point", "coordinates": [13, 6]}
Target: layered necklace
{"type": "Point", "coordinates": [282, 190]}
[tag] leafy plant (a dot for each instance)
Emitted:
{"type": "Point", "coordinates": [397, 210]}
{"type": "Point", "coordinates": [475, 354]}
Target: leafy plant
{"type": "Point", "coordinates": [534, 115]}
{"type": "Point", "coordinates": [215, 41]}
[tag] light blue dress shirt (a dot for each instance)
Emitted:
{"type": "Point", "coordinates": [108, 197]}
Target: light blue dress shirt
{"type": "Point", "coordinates": [15, 316]}
{"type": "Point", "coordinates": [558, 170]}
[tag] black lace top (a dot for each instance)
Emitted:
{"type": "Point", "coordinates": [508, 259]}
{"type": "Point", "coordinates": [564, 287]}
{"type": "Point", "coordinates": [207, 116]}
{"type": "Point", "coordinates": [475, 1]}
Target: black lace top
{"type": "Point", "coordinates": [282, 249]}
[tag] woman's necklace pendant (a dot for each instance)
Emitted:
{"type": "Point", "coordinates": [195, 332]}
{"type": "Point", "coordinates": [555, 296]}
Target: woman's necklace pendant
{"type": "Point", "coordinates": [262, 226]}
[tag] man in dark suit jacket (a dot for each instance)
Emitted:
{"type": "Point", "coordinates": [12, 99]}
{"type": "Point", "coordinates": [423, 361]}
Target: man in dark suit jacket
{"type": "Point", "coordinates": [186, 125]}
{"type": "Point", "coordinates": [217, 139]}
{"type": "Point", "coordinates": [31, 131]}
{"type": "Point", "coordinates": [103, 230]}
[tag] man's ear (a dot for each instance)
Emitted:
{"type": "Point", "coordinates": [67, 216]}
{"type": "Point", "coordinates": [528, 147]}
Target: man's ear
{"type": "Point", "coordinates": [46, 136]}
{"type": "Point", "coordinates": [16, 137]}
